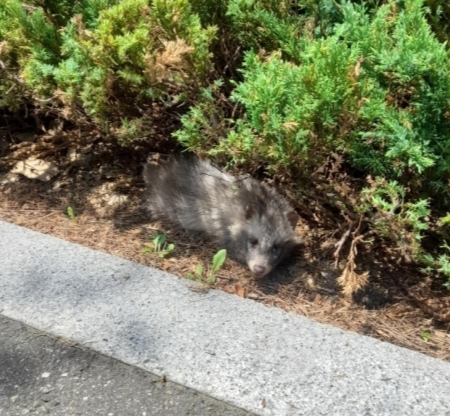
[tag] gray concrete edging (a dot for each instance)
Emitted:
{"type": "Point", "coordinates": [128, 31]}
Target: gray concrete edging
{"type": "Point", "coordinates": [261, 359]}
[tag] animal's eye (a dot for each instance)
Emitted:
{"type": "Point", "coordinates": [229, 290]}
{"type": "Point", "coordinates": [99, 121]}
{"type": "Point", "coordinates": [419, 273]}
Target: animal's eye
{"type": "Point", "coordinates": [275, 248]}
{"type": "Point", "coordinates": [253, 242]}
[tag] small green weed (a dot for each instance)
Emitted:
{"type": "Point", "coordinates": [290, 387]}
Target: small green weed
{"type": "Point", "coordinates": [197, 275]}
{"type": "Point", "coordinates": [425, 335]}
{"type": "Point", "coordinates": [71, 214]}
{"type": "Point", "coordinates": [160, 246]}
{"type": "Point", "coordinates": [218, 260]}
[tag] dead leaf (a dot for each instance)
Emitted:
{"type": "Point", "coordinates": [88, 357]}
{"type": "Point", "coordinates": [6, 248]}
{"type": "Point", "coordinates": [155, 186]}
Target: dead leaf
{"type": "Point", "coordinates": [34, 168]}
{"type": "Point", "coordinates": [229, 289]}
{"type": "Point", "coordinates": [239, 290]}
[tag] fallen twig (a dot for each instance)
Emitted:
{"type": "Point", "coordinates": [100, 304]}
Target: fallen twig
{"type": "Point", "coordinates": [340, 244]}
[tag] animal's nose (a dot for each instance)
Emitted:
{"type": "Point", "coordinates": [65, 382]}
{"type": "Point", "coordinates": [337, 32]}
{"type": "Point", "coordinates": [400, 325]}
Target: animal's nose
{"type": "Point", "coordinates": [259, 270]}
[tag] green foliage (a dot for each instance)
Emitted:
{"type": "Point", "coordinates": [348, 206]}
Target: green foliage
{"type": "Point", "coordinates": [71, 214]}
{"type": "Point", "coordinates": [269, 24]}
{"type": "Point", "coordinates": [204, 124]}
{"type": "Point", "coordinates": [198, 274]}
{"type": "Point", "coordinates": [405, 224]}
{"type": "Point", "coordinates": [425, 335]}
{"type": "Point", "coordinates": [274, 25]}
{"type": "Point", "coordinates": [402, 222]}
{"type": "Point", "coordinates": [210, 12]}
{"type": "Point", "coordinates": [404, 82]}
{"type": "Point", "coordinates": [292, 111]}
{"type": "Point", "coordinates": [439, 18]}
{"type": "Point", "coordinates": [137, 52]}
{"type": "Point", "coordinates": [134, 129]}
{"type": "Point", "coordinates": [438, 263]}
{"type": "Point", "coordinates": [442, 263]}
{"type": "Point", "coordinates": [160, 246]}
{"type": "Point", "coordinates": [377, 89]}
{"type": "Point", "coordinates": [106, 56]}
{"type": "Point", "coordinates": [218, 260]}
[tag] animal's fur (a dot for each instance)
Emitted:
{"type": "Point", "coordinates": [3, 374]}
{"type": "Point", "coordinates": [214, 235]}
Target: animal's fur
{"type": "Point", "coordinates": [248, 218]}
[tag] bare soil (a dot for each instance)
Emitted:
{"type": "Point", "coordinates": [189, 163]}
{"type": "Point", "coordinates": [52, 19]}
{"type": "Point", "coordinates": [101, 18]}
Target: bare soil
{"type": "Point", "coordinates": [103, 188]}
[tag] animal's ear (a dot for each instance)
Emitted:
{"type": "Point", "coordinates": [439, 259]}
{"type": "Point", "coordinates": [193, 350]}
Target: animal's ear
{"type": "Point", "coordinates": [249, 211]}
{"type": "Point", "coordinates": [293, 218]}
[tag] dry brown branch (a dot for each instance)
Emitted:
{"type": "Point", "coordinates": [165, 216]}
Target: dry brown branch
{"type": "Point", "coordinates": [350, 281]}
{"type": "Point", "coordinates": [340, 243]}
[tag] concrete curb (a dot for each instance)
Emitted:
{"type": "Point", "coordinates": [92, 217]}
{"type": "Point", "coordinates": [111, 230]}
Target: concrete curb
{"type": "Point", "coordinates": [261, 359]}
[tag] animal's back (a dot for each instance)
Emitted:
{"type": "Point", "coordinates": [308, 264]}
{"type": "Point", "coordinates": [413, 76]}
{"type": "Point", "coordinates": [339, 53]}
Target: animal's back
{"type": "Point", "coordinates": [193, 194]}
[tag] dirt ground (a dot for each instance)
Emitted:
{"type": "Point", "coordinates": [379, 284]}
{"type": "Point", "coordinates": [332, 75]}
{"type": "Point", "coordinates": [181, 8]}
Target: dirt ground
{"type": "Point", "coordinates": [95, 200]}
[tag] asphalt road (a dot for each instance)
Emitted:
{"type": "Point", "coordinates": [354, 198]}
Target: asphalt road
{"type": "Point", "coordinates": [43, 375]}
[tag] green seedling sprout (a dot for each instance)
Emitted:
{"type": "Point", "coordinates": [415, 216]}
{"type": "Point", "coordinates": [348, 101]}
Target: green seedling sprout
{"type": "Point", "coordinates": [160, 246]}
{"type": "Point", "coordinates": [71, 214]}
{"type": "Point", "coordinates": [218, 260]}
{"type": "Point", "coordinates": [425, 335]}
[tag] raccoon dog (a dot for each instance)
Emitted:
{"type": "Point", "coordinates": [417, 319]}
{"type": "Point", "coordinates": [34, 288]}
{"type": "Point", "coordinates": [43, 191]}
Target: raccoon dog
{"type": "Point", "coordinates": [248, 218]}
